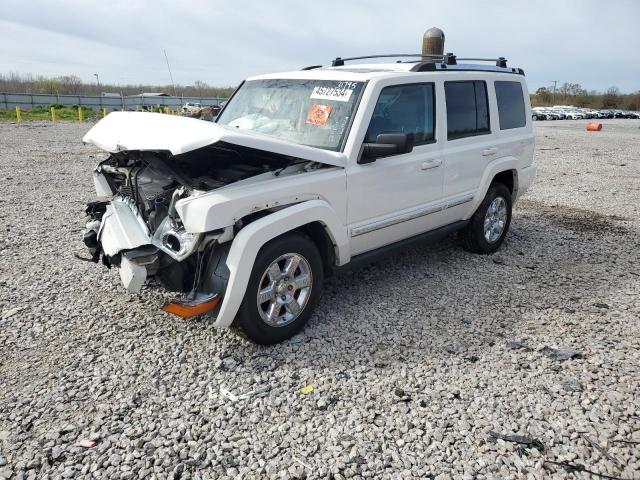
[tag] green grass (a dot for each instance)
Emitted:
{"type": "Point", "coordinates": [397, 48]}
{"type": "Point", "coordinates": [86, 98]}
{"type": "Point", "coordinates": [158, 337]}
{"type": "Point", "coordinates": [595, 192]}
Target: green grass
{"type": "Point", "coordinates": [62, 113]}
{"type": "Point", "coordinates": [44, 113]}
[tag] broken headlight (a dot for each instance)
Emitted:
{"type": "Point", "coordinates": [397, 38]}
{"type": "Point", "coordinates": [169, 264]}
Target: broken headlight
{"type": "Point", "coordinates": [174, 240]}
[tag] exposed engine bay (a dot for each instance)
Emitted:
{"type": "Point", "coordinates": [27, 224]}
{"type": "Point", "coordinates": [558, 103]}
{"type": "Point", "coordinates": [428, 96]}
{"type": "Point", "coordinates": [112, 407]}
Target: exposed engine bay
{"type": "Point", "coordinates": [151, 179]}
{"type": "Point", "coordinates": [139, 190]}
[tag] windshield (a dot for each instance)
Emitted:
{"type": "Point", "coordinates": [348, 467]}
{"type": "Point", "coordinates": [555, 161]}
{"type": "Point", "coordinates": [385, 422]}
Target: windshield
{"type": "Point", "coordinates": [308, 112]}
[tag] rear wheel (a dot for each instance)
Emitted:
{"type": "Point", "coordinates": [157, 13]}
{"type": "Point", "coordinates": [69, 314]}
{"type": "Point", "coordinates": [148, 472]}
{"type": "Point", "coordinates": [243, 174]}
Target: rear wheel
{"type": "Point", "coordinates": [283, 290]}
{"type": "Point", "coordinates": [489, 225]}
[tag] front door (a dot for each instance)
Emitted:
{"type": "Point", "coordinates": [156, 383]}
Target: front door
{"type": "Point", "coordinates": [398, 196]}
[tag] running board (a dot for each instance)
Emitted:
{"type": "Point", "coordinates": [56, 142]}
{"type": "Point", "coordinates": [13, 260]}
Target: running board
{"type": "Point", "coordinates": [431, 236]}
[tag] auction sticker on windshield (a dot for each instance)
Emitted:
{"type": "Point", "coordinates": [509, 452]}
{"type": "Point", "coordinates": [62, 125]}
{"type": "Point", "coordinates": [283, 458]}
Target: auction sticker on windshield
{"type": "Point", "coordinates": [340, 93]}
{"type": "Point", "coordinates": [319, 114]}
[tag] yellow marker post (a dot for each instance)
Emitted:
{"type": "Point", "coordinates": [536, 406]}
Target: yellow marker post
{"type": "Point", "coordinates": [79, 114]}
{"type": "Point", "coordinates": [53, 115]}
{"type": "Point", "coordinates": [104, 112]}
{"type": "Point", "coordinates": [18, 117]}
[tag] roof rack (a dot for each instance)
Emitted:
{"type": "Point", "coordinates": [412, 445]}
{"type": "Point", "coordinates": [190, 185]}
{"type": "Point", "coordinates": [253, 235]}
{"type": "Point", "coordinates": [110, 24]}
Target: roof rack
{"type": "Point", "coordinates": [431, 63]}
{"type": "Point", "coordinates": [447, 58]}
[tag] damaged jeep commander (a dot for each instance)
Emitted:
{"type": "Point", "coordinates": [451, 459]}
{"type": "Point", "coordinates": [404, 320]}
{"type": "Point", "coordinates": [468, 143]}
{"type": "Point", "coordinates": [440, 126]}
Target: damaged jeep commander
{"type": "Point", "coordinates": [305, 172]}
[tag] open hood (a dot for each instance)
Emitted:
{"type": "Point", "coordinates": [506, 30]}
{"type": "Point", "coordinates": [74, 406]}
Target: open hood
{"type": "Point", "coordinates": [125, 131]}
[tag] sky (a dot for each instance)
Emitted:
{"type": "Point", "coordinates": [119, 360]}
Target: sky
{"type": "Point", "coordinates": [592, 42]}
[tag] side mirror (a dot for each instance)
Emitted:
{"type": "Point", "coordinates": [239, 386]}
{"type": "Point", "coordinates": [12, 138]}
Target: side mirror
{"type": "Point", "coordinates": [387, 144]}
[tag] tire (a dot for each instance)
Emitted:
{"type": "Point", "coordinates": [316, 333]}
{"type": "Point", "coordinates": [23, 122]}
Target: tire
{"type": "Point", "coordinates": [474, 236]}
{"type": "Point", "coordinates": [289, 299]}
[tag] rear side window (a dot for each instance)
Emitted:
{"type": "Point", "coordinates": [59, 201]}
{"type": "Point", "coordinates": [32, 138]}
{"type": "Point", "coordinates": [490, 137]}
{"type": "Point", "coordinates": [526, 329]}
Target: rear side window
{"type": "Point", "coordinates": [467, 109]}
{"type": "Point", "coordinates": [510, 105]}
{"type": "Point", "coordinates": [405, 109]}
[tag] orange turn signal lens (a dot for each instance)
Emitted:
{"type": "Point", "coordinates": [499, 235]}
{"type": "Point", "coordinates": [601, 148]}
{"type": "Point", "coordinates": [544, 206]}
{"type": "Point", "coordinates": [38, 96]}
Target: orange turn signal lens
{"type": "Point", "coordinates": [188, 309]}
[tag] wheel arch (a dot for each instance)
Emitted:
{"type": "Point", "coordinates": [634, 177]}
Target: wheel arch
{"type": "Point", "coordinates": [315, 218]}
{"type": "Point", "coordinates": [504, 170]}
{"type": "Point", "coordinates": [509, 178]}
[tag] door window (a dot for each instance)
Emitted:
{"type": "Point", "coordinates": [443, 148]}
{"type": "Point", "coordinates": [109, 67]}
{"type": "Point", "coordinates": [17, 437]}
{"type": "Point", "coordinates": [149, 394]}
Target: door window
{"type": "Point", "coordinates": [405, 109]}
{"type": "Point", "coordinates": [467, 109]}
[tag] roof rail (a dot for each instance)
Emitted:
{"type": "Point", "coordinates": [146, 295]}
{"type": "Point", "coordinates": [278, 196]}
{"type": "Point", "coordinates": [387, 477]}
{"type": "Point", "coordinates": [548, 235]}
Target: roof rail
{"type": "Point", "coordinates": [463, 67]}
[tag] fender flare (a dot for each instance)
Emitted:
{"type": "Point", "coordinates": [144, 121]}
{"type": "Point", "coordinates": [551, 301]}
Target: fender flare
{"type": "Point", "coordinates": [250, 239]}
{"type": "Point", "coordinates": [497, 166]}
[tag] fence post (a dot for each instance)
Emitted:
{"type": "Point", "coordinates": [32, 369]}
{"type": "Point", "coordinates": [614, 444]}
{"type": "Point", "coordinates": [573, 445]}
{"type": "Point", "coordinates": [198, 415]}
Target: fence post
{"type": "Point", "coordinates": [53, 114]}
{"type": "Point", "coordinates": [18, 118]}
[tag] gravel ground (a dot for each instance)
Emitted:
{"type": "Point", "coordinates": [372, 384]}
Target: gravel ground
{"type": "Point", "coordinates": [422, 365]}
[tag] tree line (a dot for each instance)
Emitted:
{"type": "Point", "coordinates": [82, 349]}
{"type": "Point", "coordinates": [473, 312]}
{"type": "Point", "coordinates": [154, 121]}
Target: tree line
{"type": "Point", "coordinates": [565, 94]}
{"type": "Point", "coordinates": [574, 94]}
{"type": "Point", "coordinates": [73, 85]}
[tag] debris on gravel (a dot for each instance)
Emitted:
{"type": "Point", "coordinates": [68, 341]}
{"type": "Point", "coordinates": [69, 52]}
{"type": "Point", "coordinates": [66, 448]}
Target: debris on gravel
{"type": "Point", "coordinates": [560, 353]}
{"type": "Point", "coordinates": [521, 439]}
{"type": "Point", "coordinates": [83, 362]}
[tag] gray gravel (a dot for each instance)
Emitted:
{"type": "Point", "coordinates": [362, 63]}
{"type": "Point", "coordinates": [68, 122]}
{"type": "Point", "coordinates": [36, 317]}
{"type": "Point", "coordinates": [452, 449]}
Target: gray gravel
{"type": "Point", "coordinates": [433, 364]}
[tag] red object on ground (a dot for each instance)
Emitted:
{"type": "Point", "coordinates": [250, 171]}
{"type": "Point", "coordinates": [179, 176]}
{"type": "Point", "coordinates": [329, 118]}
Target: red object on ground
{"type": "Point", "coordinates": [594, 127]}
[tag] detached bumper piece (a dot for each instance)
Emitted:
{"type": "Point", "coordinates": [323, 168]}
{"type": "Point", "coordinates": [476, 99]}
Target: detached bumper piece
{"type": "Point", "coordinates": [193, 305]}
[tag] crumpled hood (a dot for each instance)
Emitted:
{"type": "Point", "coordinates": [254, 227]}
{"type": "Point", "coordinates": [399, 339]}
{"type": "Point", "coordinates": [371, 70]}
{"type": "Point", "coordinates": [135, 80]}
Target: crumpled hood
{"type": "Point", "coordinates": [124, 131]}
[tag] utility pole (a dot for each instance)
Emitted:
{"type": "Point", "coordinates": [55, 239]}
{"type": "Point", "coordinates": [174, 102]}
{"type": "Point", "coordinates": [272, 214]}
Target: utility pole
{"type": "Point", "coordinates": [97, 80]}
{"type": "Point", "coordinates": [175, 94]}
{"type": "Point", "coordinates": [555, 82]}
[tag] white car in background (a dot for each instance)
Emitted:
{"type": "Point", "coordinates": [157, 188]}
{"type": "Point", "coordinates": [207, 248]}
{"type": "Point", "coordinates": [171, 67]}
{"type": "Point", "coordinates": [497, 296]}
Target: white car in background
{"type": "Point", "coordinates": [190, 107]}
{"type": "Point", "coordinates": [574, 115]}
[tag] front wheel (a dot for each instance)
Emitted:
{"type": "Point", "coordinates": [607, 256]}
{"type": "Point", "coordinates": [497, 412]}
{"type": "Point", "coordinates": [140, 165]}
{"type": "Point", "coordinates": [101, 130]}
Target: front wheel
{"type": "Point", "coordinates": [283, 290]}
{"type": "Point", "coordinates": [489, 225]}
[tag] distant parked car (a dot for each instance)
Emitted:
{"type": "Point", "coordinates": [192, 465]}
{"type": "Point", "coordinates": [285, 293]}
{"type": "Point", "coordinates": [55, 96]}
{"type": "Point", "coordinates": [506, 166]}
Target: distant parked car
{"type": "Point", "coordinates": [189, 108]}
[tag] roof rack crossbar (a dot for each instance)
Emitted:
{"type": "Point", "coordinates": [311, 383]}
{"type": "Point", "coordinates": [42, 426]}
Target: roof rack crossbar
{"type": "Point", "coordinates": [339, 61]}
{"type": "Point", "coordinates": [480, 59]}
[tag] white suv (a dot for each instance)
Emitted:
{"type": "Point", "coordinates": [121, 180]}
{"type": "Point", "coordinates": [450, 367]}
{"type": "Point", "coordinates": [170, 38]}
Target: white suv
{"type": "Point", "coordinates": [304, 172]}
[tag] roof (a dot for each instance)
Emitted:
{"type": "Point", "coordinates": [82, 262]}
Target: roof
{"type": "Point", "coordinates": [367, 71]}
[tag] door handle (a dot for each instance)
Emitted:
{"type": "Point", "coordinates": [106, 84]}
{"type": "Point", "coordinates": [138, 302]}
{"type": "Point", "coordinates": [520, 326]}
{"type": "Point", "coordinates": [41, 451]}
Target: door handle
{"type": "Point", "coordinates": [430, 164]}
{"type": "Point", "coordinates": [489, 151]}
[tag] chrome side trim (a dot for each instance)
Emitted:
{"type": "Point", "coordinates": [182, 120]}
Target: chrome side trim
{"type": "Point", "coordinates": [405, 217]}
{"type": "Point", "coordinates": [458, 202]}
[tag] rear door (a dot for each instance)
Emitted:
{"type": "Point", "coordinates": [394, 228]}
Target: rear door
{"type": "Point", "coordinates": [470, 143]}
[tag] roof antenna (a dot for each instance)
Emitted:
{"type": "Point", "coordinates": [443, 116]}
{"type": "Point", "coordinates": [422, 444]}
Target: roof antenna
{"type": "Point", "coordinates": [170, 75]}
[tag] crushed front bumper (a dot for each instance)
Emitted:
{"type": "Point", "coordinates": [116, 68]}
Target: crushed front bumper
{"type": "Point", "coordinates": [119, 234]}
{"type": "Point", "coordinates": [122, 228]}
